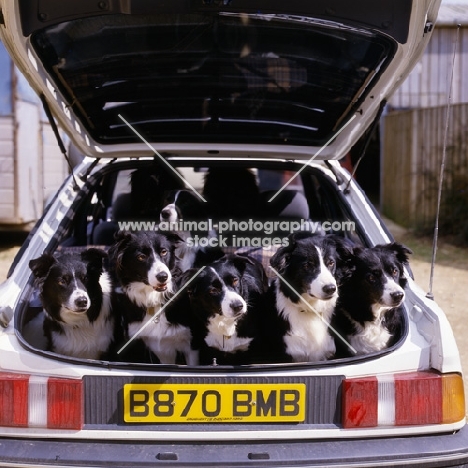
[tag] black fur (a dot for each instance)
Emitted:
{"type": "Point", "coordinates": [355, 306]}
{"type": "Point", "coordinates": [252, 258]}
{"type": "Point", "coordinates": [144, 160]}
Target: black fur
{"type": "Point", "coordinates": [184, 205]}
{"type": "Point", "coordinates": [363, 288]}
{"type": "Point", "coordinates": [187, 204]}
{"type": "Point", "coordinates": [148, 186]}
{"type": "Point", "coordinates": [232, 274]}
{"type": "Point", "coordinates": [132, 257]}
{"type": "Point", "coordinates": [298, 263]}
{"type": "Point", "coordinates": [59, 278]}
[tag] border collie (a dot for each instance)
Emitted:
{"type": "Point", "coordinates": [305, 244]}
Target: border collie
{"type": "Point", "coordinates": [302, 301]}
{"type": "Point", "coordinates": [225, 304]}
{"type": "Point", "coordinates": [148, 186]}
{"type": "Point", "coordinates": [369, 313]}
{"type": "Point", "coordinates": [144, 264]}
{"type": "Point", "coordinates": [76, 297]}
{"type": "Point", "coordinates": [184, 205]}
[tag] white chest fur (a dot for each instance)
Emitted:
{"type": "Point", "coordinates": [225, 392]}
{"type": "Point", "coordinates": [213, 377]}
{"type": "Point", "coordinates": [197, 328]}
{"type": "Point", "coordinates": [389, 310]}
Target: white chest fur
{"type": "Point", "coordinates": [88, 340]}
{"type": "Point", "coordinates": [373, 336]}
{"type": "Point", "coordinates": [222, 335]}
{"type": "Point", "coordinates": [163, 338]}
{"type": "Point", "coordinates": [308, 339]}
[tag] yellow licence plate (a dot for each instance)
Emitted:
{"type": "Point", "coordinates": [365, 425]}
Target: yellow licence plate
{"type": "Point", "coordinates": [209, 403]}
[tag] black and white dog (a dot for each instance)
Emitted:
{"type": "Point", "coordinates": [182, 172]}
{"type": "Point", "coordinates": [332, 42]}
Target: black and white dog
{"type": "Point", "coordinates": [369, 308]}
{"type": "Point", "coordinates": [302, 298]}
{"type": "Point", "coordinates": [183, 206]}
{"type": "Point", "coordinates": [144, 264]}
{"type": "Point", "coordinates": [75, 291]}
{"type": "Point", "coordinates": [225, 301]}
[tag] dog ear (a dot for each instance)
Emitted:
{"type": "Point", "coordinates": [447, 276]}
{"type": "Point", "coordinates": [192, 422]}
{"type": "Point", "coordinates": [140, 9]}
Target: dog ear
{"type": "Point", "coordinates": [173, 237]}
{"type": "Point", "coordinates": [344, 247]}
{"type": "Point", "coordinates": [280, 259]}
{"type": "Point", "coordinates": [241, 262]}
{"type": "Point", "coordinates": [122, 239]}
{"type": "Point", "coordinates": [401, 251]}
{"type": "Point", "coordinates": [258, 280]}
{"type": "Point", "coordinates": [94, 258]}
{"type": "Point", "coordinates": [120, 236]}
{"type": "Point", "coordinates": [40, 266]}
{"type": "Point", "coordinates": [185, 277]}
{"type": "Point", "coordinates": [93, 255]}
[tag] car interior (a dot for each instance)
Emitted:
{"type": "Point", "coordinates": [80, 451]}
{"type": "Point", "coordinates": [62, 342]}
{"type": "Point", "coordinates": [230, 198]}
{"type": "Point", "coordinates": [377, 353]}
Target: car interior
{"type": "Point", "coordinates": [112, 198]}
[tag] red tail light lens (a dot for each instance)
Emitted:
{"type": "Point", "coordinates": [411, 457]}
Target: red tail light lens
{"type": "Point", "coordinates": [360, 410]}
{"type": "Point", "coordinates": [40, 401]}
{"type": "Point", "coordinates": [64, 404]}
{"type": "Point", "coordinates": [418, 399]}
{"type": "Point", "coordinates": [14, 400]}
{"type": "Point", "coordinates": [415, 398]}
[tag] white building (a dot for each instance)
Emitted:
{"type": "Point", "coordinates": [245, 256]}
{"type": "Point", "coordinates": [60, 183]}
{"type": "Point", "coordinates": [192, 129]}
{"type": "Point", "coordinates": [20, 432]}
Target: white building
{"type": "Point", "coordinates": [31, 164]}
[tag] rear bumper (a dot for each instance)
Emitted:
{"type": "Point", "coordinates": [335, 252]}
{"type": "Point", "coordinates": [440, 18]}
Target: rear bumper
{"type": "Point", "coordinates": [449, 450]}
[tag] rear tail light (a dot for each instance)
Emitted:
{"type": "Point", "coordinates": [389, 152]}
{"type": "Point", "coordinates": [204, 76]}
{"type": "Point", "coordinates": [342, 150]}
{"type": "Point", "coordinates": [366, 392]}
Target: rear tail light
{"type": "Point", "coordinates": [38, 401]}
{"type": "Point", "coordinates": [415, 398]}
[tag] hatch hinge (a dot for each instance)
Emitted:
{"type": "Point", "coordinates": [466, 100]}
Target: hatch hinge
{"type": "Point", "coordinates": [428, 27]}
{"type": "Point", "coordinates": [60, 143]}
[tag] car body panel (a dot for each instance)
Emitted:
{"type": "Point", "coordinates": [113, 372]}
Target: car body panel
{"type": "Point", "coordinates": [429, 344]}
{"type": "Point", "coordinates": [103, 432]}
{"type": "Point", "coordinates": [433, 451]}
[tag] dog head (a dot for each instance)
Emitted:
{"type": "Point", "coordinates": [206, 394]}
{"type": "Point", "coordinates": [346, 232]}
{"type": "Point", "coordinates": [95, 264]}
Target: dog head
{"type": "Point", "coordinates": [242, 274]}
{"type": "Point", "coordinates": [182, 205]}
{"type": "Point", "coordinates": [217, 292]}
{"type": "Point", "coordinates": [309, 265]}
{"type": "Point", "coordinates": [148, 185]}
{"type": "Point", "coordinates": [69, 285]}
{"type": "Point", "coordinates": [144, 257]}
{"type": "Point", "coordinates": [378, 275]}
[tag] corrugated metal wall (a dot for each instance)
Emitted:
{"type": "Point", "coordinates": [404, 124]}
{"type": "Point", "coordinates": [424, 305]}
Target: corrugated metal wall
{"type": "Point", "coordinates": [412, 134]}
{"type": "Point", "coordinates": [427, 85]}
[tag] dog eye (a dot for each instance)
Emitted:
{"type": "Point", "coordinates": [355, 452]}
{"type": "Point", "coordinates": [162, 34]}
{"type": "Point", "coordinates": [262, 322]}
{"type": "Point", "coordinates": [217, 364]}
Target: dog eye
{"type": "Point", "coordinates": [371, 278]}
{"type": "Point", "coordinates": [163, 252]}
{"type": "Point", "coordinates": [141, 257]}
{"type": "Point", "coordinates": [62, 282]}
{"type": "Point", "coordinates": [330, 263]}
{"type": "Point", "coordinates": [212, 290]}
{"type": "Point", "coordinates": [395, 271]}
{"type": "Point", "coordinates": [235, 281]}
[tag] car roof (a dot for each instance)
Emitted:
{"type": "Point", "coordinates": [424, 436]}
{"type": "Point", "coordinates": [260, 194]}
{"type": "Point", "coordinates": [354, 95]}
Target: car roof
{"type": "Point", "coordinates": [228, 78]}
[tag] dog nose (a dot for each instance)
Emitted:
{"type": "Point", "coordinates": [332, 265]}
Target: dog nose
{"type": "Point", "coordinates": [237, 306]}
{"type": "Point", "coordinates": [397, 296]}
{"type": "Point", "coordinates": [329, 289]}
{"type": "Point", "coordinates": [162, 277]}
{"type": "Point", "coordinates": [165, 214]}
{"type": "Point", "coordinates": [81, 302]}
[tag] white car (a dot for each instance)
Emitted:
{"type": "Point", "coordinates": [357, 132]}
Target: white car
{"type": "Point", "coordinates": [284, 89]}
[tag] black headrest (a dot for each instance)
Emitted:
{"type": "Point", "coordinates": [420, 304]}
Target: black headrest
{"type": "Point", "coordinates": [122, 207]}
{"type": "Point", "coordinates": [289, 204]}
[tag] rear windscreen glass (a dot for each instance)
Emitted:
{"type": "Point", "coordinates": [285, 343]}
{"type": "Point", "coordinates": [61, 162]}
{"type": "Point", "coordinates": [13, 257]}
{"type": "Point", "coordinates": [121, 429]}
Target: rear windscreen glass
{"type": "Point", "coordinates": [213, 77]}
